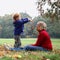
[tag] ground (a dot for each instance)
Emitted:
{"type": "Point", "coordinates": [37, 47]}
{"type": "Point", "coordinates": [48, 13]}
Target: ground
{"type": "Point", "coordinates": [24, 55]}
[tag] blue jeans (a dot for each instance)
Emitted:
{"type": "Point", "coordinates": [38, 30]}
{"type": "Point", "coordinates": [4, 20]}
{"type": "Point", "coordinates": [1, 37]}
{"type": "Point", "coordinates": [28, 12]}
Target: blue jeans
{"type": "Point", "coordinates": [29, 48]}
{"type": "Point", "coordinates": [34, 48]}
{"type": "Point", "coordinates": [16, 49]}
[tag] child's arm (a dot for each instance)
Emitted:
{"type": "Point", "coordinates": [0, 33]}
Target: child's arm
{"type": "Point", "coordinates": [25, 20]}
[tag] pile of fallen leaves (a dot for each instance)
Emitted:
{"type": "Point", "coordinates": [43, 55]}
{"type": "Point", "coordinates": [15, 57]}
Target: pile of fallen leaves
{"type": "Point", "coordinates": [4, 52]}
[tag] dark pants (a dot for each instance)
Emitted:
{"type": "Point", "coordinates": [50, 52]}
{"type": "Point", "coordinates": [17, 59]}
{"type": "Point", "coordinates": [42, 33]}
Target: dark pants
{"type": "Point", "coordinates": [34, 48]}
{"type": "Point", "coordinates": [17, 41]}
{"type": "Point", "coordinates": [29, 48]}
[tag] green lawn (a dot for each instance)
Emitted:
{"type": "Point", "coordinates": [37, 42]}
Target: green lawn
{"type": "Point", "coordinates": [32, 55]}
{"type": "Point", "coordinates": [26, 41]}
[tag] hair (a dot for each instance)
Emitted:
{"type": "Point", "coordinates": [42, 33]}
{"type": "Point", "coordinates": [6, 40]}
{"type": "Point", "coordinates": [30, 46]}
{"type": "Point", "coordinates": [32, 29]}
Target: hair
{"type": "Point", "coordinates": [42, 24]}
{"type": "Point", "coordinates": [15, 16]}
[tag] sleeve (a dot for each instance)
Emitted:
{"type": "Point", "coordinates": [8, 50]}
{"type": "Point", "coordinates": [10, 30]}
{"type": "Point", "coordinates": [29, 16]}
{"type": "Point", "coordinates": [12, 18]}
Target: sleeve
{"type": "Point", "coordinates": [25, 20]}
{"type": "Point", "coordinates": [39, 40]}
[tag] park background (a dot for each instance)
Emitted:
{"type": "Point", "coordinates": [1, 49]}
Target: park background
{"type": "Point", "coordinates": [37, 10]}
{"type": "Point", "coordinates": [7, 28]}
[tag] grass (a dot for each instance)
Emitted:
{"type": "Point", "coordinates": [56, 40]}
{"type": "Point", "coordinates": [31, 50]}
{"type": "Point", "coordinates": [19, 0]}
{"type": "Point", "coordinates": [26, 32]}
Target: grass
{"type": "Point", "coordinates": [26, 41]}
{"type": "Point", "coordinates": [33, 55]}
{"type": "Point", "coordinates": [23, 40]}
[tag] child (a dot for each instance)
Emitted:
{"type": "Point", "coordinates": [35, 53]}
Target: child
{"type": "Point", "coordinates": [19, 27]}
{"type": "Point", "coordinates": [43, 42]}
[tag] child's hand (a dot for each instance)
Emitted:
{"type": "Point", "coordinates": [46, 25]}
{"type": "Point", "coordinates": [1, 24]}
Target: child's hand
{"type": "Point", "coordinates": [30, 20]}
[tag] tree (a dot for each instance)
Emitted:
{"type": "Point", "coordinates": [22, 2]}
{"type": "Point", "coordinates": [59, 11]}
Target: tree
{"type": "Point", "coordinates": [6, 25]}
{"type": "Point", "coordinates": [53, 12]}
{"type": "Point", "coordinates": [53, 29]}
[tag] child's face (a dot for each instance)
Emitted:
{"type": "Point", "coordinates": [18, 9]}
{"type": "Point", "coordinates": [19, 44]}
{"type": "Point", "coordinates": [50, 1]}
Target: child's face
{"type": "Point", "coordinates": [17, 18]}
{"type": "Point", "coordinates": [38, 27]}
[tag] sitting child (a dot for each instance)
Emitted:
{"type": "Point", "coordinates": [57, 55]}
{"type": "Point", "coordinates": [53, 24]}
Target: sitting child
{"type": "Point", "coordinates": [43, 42]}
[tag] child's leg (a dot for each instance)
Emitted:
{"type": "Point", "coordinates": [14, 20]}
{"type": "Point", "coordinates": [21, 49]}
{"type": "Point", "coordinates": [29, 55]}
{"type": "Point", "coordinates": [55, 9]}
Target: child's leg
{"type": "Point", "coordinates": [17, 41]}
{"type": "Point", "coordinates": [7, 47]}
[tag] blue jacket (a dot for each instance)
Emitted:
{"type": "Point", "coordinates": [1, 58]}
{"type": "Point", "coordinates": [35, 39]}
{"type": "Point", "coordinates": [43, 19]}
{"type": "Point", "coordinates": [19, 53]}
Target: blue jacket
{"type": "Point", "coordinates": [19, 26]}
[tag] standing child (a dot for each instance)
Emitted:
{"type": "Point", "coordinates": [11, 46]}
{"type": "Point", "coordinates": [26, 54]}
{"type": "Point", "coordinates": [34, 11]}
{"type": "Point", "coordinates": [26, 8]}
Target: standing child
{"type": "Point", "coordinates": [18, 28]}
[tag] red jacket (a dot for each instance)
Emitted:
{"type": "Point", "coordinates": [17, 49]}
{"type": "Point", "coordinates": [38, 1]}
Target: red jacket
{"type": "Point", "coordinates": [43, 40]}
